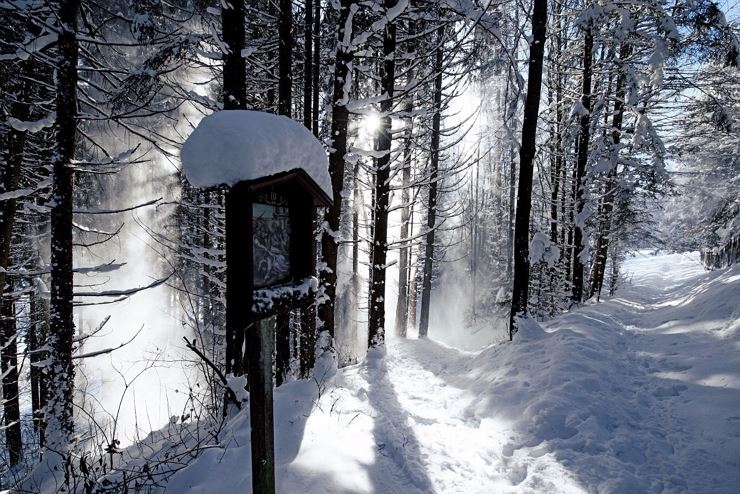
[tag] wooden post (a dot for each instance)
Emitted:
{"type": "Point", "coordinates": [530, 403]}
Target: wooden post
{"type": "Point", "coordinates": [260, 342]}
{"type": "Point", "coordinates": [250, 335]}
{"type": "Point", "coordinates": [239, 276]}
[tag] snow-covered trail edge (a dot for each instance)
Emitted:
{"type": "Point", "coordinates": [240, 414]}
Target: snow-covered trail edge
{"type": "Point", "coordinates": [639, 393]}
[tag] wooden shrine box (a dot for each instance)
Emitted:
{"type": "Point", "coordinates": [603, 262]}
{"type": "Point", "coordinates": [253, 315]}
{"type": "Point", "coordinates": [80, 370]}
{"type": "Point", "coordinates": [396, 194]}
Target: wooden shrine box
{"type": "Point", "coordinates": [276, 175]}
{"type": "Point", "coordinates": [270, 244]}
{"type": "Point", "coordinates": [270, 259]}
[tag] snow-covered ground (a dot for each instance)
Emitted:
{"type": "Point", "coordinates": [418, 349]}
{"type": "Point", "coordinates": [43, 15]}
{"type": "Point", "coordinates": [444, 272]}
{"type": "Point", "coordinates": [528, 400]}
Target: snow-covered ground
{"type": "Point", "coordinates": [639, 393]}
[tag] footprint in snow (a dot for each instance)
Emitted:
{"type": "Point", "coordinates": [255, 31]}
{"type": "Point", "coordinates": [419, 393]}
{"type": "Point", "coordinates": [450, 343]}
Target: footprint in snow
{"type": "Point", "coordinates": [518, 474]}
{"type": "Point", "coordinates": [669, 391]}
{"type": "Point", "coordinates": [508, 450]}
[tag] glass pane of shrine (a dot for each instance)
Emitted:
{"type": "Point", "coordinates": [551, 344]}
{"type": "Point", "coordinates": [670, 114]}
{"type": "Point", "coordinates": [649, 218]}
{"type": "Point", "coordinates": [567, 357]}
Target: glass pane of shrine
{"type": "Point", "coordinates": [271, 241]}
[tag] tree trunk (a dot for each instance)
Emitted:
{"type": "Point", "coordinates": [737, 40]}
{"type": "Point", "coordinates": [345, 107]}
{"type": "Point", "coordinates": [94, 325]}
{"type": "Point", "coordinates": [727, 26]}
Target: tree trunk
{"type": "Point", "coordinates": [426, 283]}
{"type": "Point", "coordinates": [10, 180]}
{"type": "Point", "coordinates": [602, 236]}
{"type": "Point", "coordinates": [568, 208]}
{"type": "Point", "coordinates": [356, 279]}
{"type": "Point", "coordinates": [557, 150]}
{"type": "Point", "coordinates": [37, 334]}
{"type": "Point", "coordinates": [556, 93]}
{"type": "Point", "coordinates": [308, 340]}
{"type": "Point", "coordinates": [403, 295]}
{"type": "Point", "coordinates": [285, 59]}
{"type": "Point", "coordinates": [60, 428]}
{"type": "Point", "coordinates": [308, 64]}
{"type": "Point", "coordinates": [283, 328]}
{"type": "Point", "coordinates": [376, 317]}
{"type": "Point", "coordinates": [583, 148]}
{"type": "Point", "coordinates": [511, 225]}
{"type": "Point", "coordinates": [206, 292]}
{"type": "Point", "coordinates": [307, 324]}
{"type": "Point", "coordinates": [16, 141]}
{"type": "Point", "coordinates": [510, 112]}
{"type": "Point", "coordinates": [602, 239]}
{"type": "Point", "coordinates": [339, 123]}
{"type": "Point", "coordinates": [235, 98]}
{"type": "Point", "coordinates": [614, 278]}
{"type": "Point", "coordinates": [316, 67]}
{"type": "Point", "coordinates": [474, 235]}
{"type": "Point", "coordinates": [520, 290]}
{"type": "Point", "coordinates": [285, 104]}
{"type": "Point", "coordinates": [8, 339]}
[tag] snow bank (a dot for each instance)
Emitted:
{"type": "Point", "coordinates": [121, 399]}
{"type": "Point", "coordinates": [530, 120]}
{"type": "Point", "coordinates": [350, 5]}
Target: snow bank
{"type": "Point", "coordinates": [234, 145]}
{"type": "Point", "coordinates": [638, 394]}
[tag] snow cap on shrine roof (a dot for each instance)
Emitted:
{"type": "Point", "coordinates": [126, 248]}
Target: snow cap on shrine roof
{"type": "Point", "coordinates": [231, 146]}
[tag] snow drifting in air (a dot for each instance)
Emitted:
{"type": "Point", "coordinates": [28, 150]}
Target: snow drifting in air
{"type": "Point", "coordinates": [234, 145]}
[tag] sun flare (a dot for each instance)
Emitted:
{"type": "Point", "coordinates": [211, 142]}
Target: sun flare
{"type": "Point", "coordinates": [370, 123]}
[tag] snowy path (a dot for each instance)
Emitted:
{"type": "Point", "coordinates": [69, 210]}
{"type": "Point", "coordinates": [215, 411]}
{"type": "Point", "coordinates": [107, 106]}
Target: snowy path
{"type": "Point", "coordinates": [648, 397]}
{"type": "Point", "coordinates": [639, 393]}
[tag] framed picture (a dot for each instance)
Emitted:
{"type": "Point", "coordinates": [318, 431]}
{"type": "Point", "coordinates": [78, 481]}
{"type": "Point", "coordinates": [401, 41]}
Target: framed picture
{"type": "Point", "coordinates": [271, 261]}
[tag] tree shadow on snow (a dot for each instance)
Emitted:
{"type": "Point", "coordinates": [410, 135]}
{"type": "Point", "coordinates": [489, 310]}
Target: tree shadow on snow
{"type": "Point", "coordinates": [399, 466]}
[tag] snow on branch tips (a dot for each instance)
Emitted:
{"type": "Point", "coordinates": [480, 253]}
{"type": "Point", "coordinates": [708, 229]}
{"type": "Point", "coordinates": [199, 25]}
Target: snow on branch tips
{"type": "Point", "coordinates": [542, 249]}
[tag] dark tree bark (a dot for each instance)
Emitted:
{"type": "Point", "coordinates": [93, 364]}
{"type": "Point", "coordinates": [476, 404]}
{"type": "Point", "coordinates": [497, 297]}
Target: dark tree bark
{"type": "Point", "coordinates": [285, 105]}
{"type": "Point", "coordinates": [582, 160]}
{"type": "Point", "coordinates": [556, 157]}
{"type": "Point", "coordinates": [568, 204]}
{"type": "Point", "coordinates": [557, 137]}
{"type": "Point", "coordinates": [235, 98]}
{"type": "Point", "coordinates": [413, 296]}
{"type": "Point", "coordinates": [315, 66]}
{"type": "Point", "coordinates": [308, 341]}
{"type": "Point", "coordinates": [16, 141]}
{"type": "Point", "coordinates": [376, 316]}
{"type": "Point", "coordinates": [511, 225]}
{"type": "Point", "coordinates": [308, 65]}
{"type": "Point", "coordinates": [403, 269]}
{"type": "Point", "coordinates": [60, 428]}
{"type": "Point", "coordinates": [285, 58]}
{"type": "Point", "coordinates": [412, 279]}
{"type": "Point", "coordinates": [37, 334]}
{"type": "Point", "coordinates": [8, 339]}
{"type": "Point", "coordinates": [356, 279]}
{"type": "Point", "coordinates": [339, 123]}
{"type": "Point", "coordinates": [426, 283]}
{"type": "Point", "coordinates": [520, 292]}
{"type": "Point", "coordinates": [282, 347]}
{"type": "Point", "coordinates": [402, 308]}
{"type": "Point", "coordinates": [607, 206]}
{"type": "Point", "coordinates": [308, 325]}
{"type": "Point", "coordinates": [206, 292]}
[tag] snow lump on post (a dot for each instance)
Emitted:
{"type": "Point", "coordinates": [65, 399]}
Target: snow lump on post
{"type": "Point", "coordinates": [230, 146]}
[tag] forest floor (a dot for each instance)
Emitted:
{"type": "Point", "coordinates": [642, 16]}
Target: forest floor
{"type": "Point", "coordinates": [638, 393]}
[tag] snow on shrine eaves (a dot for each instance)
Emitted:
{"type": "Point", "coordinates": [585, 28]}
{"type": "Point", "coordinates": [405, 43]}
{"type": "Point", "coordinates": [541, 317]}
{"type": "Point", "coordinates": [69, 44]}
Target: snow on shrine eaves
{"type": "Point", "coordinates": [234, 145]}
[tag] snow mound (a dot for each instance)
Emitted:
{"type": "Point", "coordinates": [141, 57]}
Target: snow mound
{"type": "Point", "coordinates": [638, 394]}
{"type": "Point", "coordinates": [234, 145]}
{"type": "Point", "coordinates": [528, 330]}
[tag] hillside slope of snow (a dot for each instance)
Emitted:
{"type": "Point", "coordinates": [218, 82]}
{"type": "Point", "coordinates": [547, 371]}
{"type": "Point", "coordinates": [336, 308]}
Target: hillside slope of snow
{"type": "Point", "coordinates": [639, 393]}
